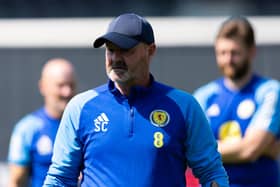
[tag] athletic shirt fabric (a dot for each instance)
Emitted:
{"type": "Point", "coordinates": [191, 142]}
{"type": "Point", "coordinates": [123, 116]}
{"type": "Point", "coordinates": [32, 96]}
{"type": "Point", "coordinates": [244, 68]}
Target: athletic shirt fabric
{"type": "Point", "coordinates": [32, 144]}
{"type": "Point", "coordinates": [257, 105]}
{"type": "Point", "coordinates": [144, 140]}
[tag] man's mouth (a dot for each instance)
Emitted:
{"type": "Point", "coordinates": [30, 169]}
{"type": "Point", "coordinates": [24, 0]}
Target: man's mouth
{"type": "Point", "coordinates": [119, 68]}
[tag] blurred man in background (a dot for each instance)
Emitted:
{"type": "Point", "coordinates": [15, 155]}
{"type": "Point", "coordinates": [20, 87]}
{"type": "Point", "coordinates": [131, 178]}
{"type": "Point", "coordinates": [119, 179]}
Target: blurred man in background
{"type": "Point", "coordinates": [243, 109]}
{"type": "Point", "coordinates": [31, 143]}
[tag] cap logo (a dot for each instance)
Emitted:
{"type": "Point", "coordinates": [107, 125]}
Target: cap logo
{"type": "Point", "coordinates": [159, 118]}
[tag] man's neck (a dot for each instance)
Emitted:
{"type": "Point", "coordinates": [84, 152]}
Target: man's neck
{"type": "Point", "coordinates": [52, 113]}
{"type": "Point", "coordinates": [239, 83]}
{"type": "Point", "coordinates": [126, 87]}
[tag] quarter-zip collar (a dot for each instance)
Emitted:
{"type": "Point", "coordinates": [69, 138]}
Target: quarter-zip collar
{"type": "Point", "coordinates": [136, 91]}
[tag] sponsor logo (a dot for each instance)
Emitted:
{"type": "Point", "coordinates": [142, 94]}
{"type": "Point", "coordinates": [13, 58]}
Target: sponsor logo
{"type": "Point", "coordinates": [230, 131]}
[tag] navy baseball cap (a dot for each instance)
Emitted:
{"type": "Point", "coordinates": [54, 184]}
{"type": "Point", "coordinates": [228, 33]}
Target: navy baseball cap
{"type": "Point", "coordinates": [126, 31]}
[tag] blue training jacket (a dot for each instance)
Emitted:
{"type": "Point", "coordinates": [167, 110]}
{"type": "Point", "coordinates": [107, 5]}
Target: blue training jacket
{"type": "Point", "coordinates": [32, 144]}
{"type": "Point", "coordinates": [256, 105]}
{"type": "Point", "coordinates": [144, 140]}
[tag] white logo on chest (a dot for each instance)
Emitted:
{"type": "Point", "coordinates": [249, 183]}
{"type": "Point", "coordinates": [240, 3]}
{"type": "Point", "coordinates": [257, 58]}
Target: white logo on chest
{"type": "Point", "coordinates": [44, 145]}
{"type": "Point", "coordinates": [213, 110]}
{"type": "Point", "coordinates": [246, 109]}
{"type": "Point", "coordinates": [101, 122]}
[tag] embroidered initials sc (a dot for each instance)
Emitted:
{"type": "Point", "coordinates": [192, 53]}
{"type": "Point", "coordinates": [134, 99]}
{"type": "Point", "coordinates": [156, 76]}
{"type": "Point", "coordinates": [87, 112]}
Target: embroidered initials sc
{"type": "Point", "coordinates": [101, 123]}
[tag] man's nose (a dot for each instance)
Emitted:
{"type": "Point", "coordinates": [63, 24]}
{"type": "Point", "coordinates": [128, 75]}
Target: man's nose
{"type": "Point", "coordinates": [117, 55]}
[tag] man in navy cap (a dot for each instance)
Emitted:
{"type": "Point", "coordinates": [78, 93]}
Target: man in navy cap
{"type": "Point", "coordinates": [133, 131]}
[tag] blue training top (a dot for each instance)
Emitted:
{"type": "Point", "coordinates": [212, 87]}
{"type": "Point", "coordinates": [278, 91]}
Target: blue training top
{"type": "Point", "coordinates": [144, 140]}
{"type": "Point", "coordinates": [32, 144]}
{"type": "Point", "coordinates": [257, 105]}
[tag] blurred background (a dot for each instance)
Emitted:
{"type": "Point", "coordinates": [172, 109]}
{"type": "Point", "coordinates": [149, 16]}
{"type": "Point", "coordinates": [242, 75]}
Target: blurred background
{"type": "Point", "coordinates": [104, 8]}
{"type": "Point", "coordinates": [32, 31]}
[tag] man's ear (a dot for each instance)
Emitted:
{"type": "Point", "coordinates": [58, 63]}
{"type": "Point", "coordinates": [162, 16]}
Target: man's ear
{"type": "Point", "coordinates": [152, 49]}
